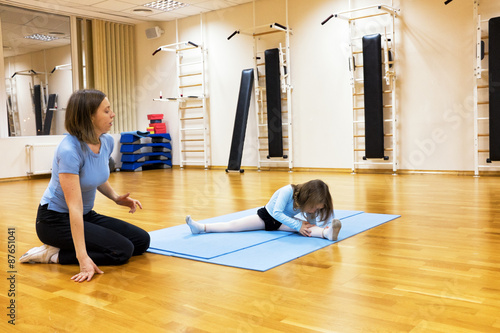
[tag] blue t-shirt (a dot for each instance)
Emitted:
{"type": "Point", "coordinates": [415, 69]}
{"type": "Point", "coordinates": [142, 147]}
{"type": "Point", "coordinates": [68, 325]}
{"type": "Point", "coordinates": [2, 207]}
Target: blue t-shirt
{"type": "Point", "coordinates": [280, 206]}
{"type": "Point", "coordinates": [75, 157]}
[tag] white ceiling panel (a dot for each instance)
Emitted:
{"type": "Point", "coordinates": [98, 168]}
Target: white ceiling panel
{"type": "Point", "coordinates": [190, 10]}
{"type": "Point", "coordinates": [79, 2]}
{"type": "Point", "coordinates": [166, 16]}
{"type": "Point", "coordinates": [136, 2]}
{"type": "Point", "coordinates": [215, 4]}
{"type": "Point", "coordinates": [114, 5]}
{"type": "Point", "coordinates": [239, 2]}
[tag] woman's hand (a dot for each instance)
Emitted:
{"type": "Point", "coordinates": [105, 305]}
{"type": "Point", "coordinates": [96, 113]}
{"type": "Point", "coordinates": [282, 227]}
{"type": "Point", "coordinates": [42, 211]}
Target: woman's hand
{"type": "Point", "coordinates": [125, 200]}
{"type": "Point", "coordinates": [122, 200]}
{"type": "Point", "coordinates": [87, 270]}
{"type": "Point", "coordinates": [304, 229]}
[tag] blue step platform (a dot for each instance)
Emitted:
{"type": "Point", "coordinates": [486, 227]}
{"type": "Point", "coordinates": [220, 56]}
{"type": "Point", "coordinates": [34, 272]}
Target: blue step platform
{"type": "Point", "coordinates": [136, 136]}
{"type": "Point", "coordinates": [150, 147]}
{"type": "Point", "coordinates": [155, 164]}
{"type": "Point", "coordinates": [143, 151]}
{"type": "Point", "coordinates": [146, 157]}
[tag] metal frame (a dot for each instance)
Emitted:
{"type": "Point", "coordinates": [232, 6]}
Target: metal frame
{"type": "Point", "coordinates": [286, 88]}
{"type": "Point", "coordinates": [12, 107]}
{"type": "Point", "coordinates": [389, 40]}
{"type": "Point", "coordinates": [478, 119]}
{"type": "Point", "coordinates": [180, 48]}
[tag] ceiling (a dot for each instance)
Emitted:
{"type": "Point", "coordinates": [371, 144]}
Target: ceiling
{"type": "Point", "coordinates": [123, 10]}
{"type": "Point", "coordinates": [37, 18]}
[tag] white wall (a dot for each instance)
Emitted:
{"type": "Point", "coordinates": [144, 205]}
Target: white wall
{"type": "Point", "coordinates": [154, 74]}
{"type": "Point", "coordinates": [15, 162]}
{"type": "Point", "coordinates": [322, 94]}
{"type": "Point", "coordinates": [436, 85]}
{"type": "Point", "coordinates": [434, 68]}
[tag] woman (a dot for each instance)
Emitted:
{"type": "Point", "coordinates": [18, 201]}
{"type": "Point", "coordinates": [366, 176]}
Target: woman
{"type": "Point", "coordinates": [72, 232]}
{"type": "Point", "coordinates": [312, 199]}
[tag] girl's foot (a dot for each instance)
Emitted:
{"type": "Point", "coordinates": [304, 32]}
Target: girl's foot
{"type": "Point", "coordinates": [196, 228]}
{"type": "Point", "coordinates": [332, 232]}
{"type": "Point", "coordinates": [40, 255]}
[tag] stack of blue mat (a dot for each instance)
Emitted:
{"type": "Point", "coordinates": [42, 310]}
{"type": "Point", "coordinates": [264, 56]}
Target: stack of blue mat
{"type": "Point", "coordinates": [255, 250]}
{"type": "Point", "coordinates": [142, 150]}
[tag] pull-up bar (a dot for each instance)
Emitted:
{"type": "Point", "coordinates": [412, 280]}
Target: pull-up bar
{"type": "Point", "coordinates": [61, 67]}
{"type": "Point", "coordinates": [327, 19]}
{"type": "Point", "coordinates": [170, 49]}
{"type": "Point", "coordinates": [385, 8]}
{"type": "Point", "coordinates": [26, 72]}
{"type": "Point", "coordinates": [232, 35]}
{"type": "Point", "coordinates": [276, 26]}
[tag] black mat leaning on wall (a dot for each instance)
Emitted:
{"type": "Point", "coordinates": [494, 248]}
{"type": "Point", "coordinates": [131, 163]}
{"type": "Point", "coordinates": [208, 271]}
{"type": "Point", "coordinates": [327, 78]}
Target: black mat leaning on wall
{"type": "Point", "coordinates": [494, 88]}
{"type": "Point", "coordinates": [240, 121]}
{"type": "Point", "coordinates": [37, 102]}
{"type": "Point", "coordinates": [49, 114]}
{"type": "Point", "coordinates": [374, 116]}
{"type": "Point", "coordinates": [273, 99]}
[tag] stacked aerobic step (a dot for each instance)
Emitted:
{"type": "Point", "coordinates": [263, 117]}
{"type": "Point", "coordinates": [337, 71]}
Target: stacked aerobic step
{"type": "Point", "coordinates": [144, 151]}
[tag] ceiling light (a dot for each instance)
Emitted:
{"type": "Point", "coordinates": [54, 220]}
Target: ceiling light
{"type": "Point", "coordinates": [142, 10]}
{"type": "Point", "coordinates": [166, 5]}
{"type": "Point", "coordinates": [41, 37]}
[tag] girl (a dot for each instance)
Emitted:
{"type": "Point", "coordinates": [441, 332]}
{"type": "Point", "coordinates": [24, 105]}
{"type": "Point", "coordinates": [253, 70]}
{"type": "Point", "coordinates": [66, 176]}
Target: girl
{"type": "Point", "coordinates": [312, 199]}
{"type": "Point", "coordinates": [72, 232]}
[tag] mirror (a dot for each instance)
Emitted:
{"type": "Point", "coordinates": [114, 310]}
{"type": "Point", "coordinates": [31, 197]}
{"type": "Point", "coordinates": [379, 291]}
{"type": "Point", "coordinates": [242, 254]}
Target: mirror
{"type": "Point", "coordinates": [37, 66]}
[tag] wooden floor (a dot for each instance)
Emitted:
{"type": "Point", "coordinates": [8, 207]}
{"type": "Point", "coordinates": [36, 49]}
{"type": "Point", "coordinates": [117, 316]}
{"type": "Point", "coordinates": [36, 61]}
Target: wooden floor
{"type": "Point", "coordinates": [435, 269]}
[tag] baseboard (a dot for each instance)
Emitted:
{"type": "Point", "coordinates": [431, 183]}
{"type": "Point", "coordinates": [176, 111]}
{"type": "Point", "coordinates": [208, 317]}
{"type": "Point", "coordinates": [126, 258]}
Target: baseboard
{"type": "Point", "coordinates": [349, 170]}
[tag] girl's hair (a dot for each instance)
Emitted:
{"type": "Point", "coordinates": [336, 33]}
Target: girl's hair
{"type": "Point", "coordinates": [81, 106]}
{"type": "Point", "coordinates": [312, 193]}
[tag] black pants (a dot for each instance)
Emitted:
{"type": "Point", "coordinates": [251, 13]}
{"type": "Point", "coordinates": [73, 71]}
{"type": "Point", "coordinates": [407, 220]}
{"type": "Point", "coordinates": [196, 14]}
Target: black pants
{"type": "Point", "coordinates": [109, 241]}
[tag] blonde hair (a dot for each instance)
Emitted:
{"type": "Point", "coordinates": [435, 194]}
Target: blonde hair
{"type": "Point", "coordinates": [82, 105]}
{"type": "Point", "coordinates": [312, 193]}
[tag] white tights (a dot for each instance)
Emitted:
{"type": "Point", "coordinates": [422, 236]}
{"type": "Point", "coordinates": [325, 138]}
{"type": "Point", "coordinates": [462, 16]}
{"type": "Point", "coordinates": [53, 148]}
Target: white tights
{"type": "Point", "coordinates": [253, 222]}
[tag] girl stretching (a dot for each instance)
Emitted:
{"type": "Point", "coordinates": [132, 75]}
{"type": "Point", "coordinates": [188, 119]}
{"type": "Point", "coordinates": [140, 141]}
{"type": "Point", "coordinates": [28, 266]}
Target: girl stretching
{"type": "Point", "coordinates": [312, 199]}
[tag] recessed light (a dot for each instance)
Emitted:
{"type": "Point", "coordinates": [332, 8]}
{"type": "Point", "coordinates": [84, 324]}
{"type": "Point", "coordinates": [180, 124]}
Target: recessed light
{"type": "Point", "coordinates": [166, 5]}
{"type": "Point", "coordinates": [45, 38]}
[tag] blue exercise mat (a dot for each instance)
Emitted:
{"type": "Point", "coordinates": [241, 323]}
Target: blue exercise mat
{"type": "Point", "coordinates": [254, 250]}
{"type": "Point", "coordinates": [179, 239]}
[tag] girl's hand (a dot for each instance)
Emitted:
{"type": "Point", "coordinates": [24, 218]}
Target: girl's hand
{"type": "Point", "coordinates": [125, 200]}
{"type": "Point", "coordinates": [304, 229]}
